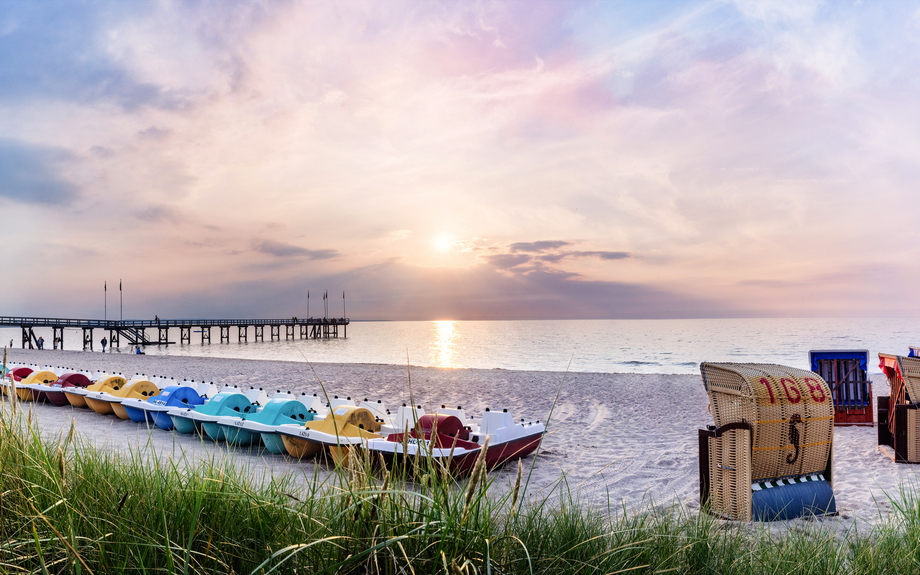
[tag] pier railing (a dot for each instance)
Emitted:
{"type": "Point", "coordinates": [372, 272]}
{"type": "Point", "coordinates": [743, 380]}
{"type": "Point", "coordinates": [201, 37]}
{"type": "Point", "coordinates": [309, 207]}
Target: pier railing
{"type": "Point", "coordinates": [134, 330]}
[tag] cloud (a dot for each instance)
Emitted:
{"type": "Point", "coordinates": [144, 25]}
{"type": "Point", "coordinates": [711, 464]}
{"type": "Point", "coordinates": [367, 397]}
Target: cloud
{"type": "Point", "coordinates": [540, 246]}
{"type": "Point", "coordinates": [506, 261]}
{"type": "Point", "coordinates": [602, 255]}
{"type": "Point", "coordinates": [546, 251]}
{"type": "Point", "coordinates": [158, 214]}
{"type": "Point", "coordinates": [31, 174]}
{"type": "Point", "coordinates": [283, 250]}
{"type": "Point", "coordinates": [154, 133]}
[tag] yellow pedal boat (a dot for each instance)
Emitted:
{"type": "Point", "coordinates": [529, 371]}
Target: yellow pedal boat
{"type": "Point", "coordinates": [106, 402]}
{"type": "Point", "coordinates": [344, 427]}
{"type": "Point", "coordinates": [77, 395]}
{"type": "Point", "coordinates": [40, 376]}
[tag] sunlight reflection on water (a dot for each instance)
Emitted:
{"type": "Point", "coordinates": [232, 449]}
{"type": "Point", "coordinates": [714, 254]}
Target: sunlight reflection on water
{"type": "Point", "coordinates": [610, 346]}
{"type": "Point", "coordinates": [443, 349]}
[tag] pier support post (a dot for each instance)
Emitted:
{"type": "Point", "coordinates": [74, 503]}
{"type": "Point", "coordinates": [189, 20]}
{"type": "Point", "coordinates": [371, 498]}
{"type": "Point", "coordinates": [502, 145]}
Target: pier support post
{"type": "Point", "coordinates": [58, 336]}
{"type": "Point", "coordinates": [244, 332]}
{"type": "Point", "coordinates": [276, 332]}
{"type": "Point", "coordinates": [205, 334]}
{"type": "Point", "coordinates": [185, 335]}
{"type": "Point", "coordinates": [87, 338]}
{"type": "Point", "coordinates": [288, 332]}
{"type": "Point", "coordinates": [28, 336]}
{"type": "Point", "coordinates": [260, 333]}
{"type": "Point", "coordinates": [163, 336]}
{"type": "Point", "coordinates": [225, 334]}
{"type": "Point", "coordinates": [304, 331]}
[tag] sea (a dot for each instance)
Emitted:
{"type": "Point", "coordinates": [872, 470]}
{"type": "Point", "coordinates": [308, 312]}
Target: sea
{"type": "Point", "coordinates": [675, 346]}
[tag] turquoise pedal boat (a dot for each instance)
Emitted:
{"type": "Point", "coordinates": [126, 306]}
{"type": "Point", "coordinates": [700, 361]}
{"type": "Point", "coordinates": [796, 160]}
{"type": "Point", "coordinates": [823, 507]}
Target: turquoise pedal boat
{"type": "Point", "coordinates": [284, 408]}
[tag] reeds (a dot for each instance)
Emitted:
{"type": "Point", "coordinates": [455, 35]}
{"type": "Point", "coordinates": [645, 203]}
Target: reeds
{"type": "Point", "coordinates": [66, 507]}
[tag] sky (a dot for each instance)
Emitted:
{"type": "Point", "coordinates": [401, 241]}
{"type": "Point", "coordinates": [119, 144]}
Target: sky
{"type": "Point", "coordinates": [460, 160]}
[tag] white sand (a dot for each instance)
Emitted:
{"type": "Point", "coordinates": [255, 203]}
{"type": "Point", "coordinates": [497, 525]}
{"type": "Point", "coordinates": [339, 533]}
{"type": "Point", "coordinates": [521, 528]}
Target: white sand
{"type": "Point", "coordinates": [617, 439]}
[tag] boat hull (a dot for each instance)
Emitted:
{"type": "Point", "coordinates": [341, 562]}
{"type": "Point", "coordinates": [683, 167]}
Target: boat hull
{"type": "Point", "coordinates": [99, 406]}
{"type": "Point", "coordinates": [502, 453]}
{"type": "Point", "coordinates": [136, 415]}
{"type": "Point", "coordinates": [273, 443]}
{"type": "Point", "coordinates": [239, 437]}
{"type": "Point", "coordinates": [185, 424]}
{"type": "Point", "coordinates": [299, 447]}
{"type": "Point", "coordinates": [76, 399]}
{"type": "Point", "coordinates": [457, 465]}
{"type": "Point", "coordinates": [57, 398]}
{"type": "Point", "coordinates": [119, 410]}
{"type": "Point", "coordinates": [163, 420]}
{"type": "Point", "coordinates": [213, 430]}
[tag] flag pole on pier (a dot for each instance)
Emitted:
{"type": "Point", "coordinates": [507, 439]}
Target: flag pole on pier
{"type": "Point", "coordinates": [308, 304]}
{"type": "Point", "coordinates": [121, 301]}
{"type": "Point", "coordinates": [105, 289]}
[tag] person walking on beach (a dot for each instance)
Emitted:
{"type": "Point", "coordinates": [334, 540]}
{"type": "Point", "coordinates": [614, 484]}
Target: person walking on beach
{"type": "Point", "coordinates": [41, 343]}
{"type": "Point", "coordinates": [104, 341]}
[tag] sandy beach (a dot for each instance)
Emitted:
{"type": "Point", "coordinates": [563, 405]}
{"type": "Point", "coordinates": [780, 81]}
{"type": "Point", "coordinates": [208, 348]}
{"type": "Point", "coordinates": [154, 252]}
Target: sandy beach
{"type": "Point", "coordinates": [618, 440]}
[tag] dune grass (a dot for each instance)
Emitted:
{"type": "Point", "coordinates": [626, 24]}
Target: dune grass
{"type": "Point", "coordinates": [67, 507]}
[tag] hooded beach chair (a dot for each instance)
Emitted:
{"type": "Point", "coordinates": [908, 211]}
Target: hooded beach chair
{"type": "Point", "coordinates": [846, 373]}
{"type": "Point", "coordinates": [898, 413]}
{"type": "Point", "coordinates": [768, 456]}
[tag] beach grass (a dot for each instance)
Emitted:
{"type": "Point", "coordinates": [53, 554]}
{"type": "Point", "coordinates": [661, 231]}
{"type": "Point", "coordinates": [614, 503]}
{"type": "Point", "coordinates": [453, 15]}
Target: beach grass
{"type": "Point", "coordinates": [67, 507]}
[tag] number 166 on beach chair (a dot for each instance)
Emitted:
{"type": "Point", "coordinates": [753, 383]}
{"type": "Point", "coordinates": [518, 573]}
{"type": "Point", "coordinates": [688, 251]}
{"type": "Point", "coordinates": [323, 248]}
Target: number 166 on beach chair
{"type": "Point", "coordinates": [768, 457]}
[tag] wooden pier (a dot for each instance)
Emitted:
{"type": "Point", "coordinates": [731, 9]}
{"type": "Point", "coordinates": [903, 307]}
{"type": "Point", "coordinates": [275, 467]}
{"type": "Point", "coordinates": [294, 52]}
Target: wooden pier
{"type": "Point", "coordinates": [135, 331]}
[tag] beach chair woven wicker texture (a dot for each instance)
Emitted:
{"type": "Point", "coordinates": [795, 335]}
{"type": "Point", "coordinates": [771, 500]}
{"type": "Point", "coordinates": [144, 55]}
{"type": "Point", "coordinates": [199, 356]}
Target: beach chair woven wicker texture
{"type": "Point", "coordinates": [898, 414]}
{"type": "Point", "coordinates": [769, 454]}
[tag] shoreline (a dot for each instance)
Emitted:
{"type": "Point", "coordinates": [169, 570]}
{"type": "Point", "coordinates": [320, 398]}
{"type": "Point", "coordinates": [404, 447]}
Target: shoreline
{"type": "Point", "coordinates": [620, 441]}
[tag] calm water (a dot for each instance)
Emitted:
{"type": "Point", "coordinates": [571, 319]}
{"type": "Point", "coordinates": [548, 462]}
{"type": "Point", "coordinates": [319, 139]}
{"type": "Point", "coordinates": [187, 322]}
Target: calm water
{"type": "Point", "coordinates": [618, 346]}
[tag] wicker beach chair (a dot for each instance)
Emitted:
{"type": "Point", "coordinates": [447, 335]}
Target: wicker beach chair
{"type": "Point", "coordinates": [846, 373]}
{"type": "Point", "coordinates": [898, 413]}
{"type": "Point", "coordinates": [768, 456]}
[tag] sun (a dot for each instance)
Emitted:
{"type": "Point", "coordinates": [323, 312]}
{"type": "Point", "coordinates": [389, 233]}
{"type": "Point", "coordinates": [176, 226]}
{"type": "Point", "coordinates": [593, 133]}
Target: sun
{"type": "Point", "coordinates": [443, 243]}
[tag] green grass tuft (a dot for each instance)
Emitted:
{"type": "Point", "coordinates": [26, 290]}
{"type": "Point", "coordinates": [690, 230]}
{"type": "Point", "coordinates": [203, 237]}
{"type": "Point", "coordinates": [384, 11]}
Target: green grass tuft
{"type": "Point", "coordinates": [66, 507]}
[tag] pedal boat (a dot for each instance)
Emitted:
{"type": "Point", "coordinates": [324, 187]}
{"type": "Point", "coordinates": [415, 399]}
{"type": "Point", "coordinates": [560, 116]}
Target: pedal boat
{"type": "Point", "coordinates": [24, 386]}
{"type": "Point", "coordinates": [54, 392]}
{"type": "Point", "coordinates": [76, 396]}
{"type": "Point", "coordinates": [345, 427]}
{"type": "Point", "coordinates": [441, 437]}
{"type": "Point", "coordinates": [250, 429]}
{"type": "Point", "coordinates": [154, 409]}
{"type": "Point", "coordinates": [107, 402]}
{"type": "Point", "coordinates": [14, 376]}
{"type": "Point", "coordinates": [230, 401]}
{"type": "Point", "coordinates": [507, 440]}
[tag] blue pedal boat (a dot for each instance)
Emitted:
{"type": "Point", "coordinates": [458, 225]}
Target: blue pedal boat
{"type": "Point", "coordinates": [228, 402]}
{"type": "Point", "coordinates": [283, 409]}
{"type": "Point", "coordinates": [155, 409]}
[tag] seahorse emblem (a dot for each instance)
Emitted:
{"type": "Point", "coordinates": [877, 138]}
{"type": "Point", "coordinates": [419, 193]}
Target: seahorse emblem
{"type": "Point", "coordinates": [794, 437]}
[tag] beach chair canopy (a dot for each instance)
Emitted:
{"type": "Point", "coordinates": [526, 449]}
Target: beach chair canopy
{"type": "Point", "coordinates": [903, 373]}
{"type": "Point", "coordinates": [790, 411]}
